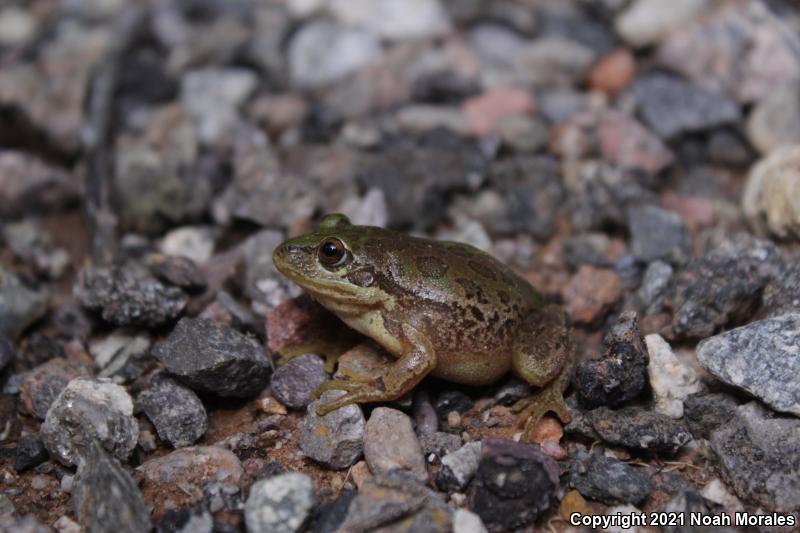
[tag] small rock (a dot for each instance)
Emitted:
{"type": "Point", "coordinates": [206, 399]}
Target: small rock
{"type": "Point", "coordinates": [87, 410]}
{"type": "Point", "coordinates": [775, 120]}
{"type": "Point", "coordinates": [21, 304]}
{"type": "Point", "coordinates": [30, 453]}
{"type": "Point", "coordinates": [486, 111]}
{"type": "Point", "coordinates": [120, 355]}
{"type": "Point", "coordinates": [636, 428]}
{"type": "Point", "coordinates": [265, 286]}
{"type": "Point", "coordinates": [32, 243]}
{"type": "Point", "coordinates": [593, 249]}
{"type": "Point", "coordinates": [450, 401]}
{"type": "Point", "coordinates": [206, 476]}
{"type": "Point", "coordinates": [7, 352]}
{"type": "Point", "coordinates": [213, 358]}
{"type": "Point", "coordinates": [670, 106]}
{"type": "Point", "coordinates": [331, 515]}
{"type": "Point", "coordinates": [705, 413]}
{"type": "Point", "coordinates": [752, 54]}
{"type": "Point", "coordinates": [459, 467]}
{"type": "Point", "coordinates": [671, 380]}
{"type": "Point", "coordinates": [467, 522]}
{"type": "Point", "coordinates": [393, 19]}
{"type": "Point", "coordinates": [690, 503]}
{"type": "Point", "coordinates": [129, 297]}
{"type": "Point", "coordinates": [300, 321]}
{"type": "Point", "coordinates": [614, 72]}
{"type": "Point", "coordinates": [293, 384]}
{"type": "Point", "coordinates": [620, 375]}
{"type": "Point", "coordinates": [610, 481]}
{"type": "Point", "coordinates": [551, 61]}
{"type": "Point", "coordinates": [186, 521]}
{"type": "Point", "coordinates": [658, 235]}
{"type": "Point", "coordinates": [106, 498]}
{"type": "Point", "coordinates": [66, 524]}
{"type": "Point", "coordinates": [771, 198]}
{"type": "Point", "coordinates": [41, 386]}
{"type": "Point", "coordinates": [524, 134]}
{"type": "Point", "coordinates": [280, 504]}
{"type": "Point", "coordinates": [439, 443]}
{"type": "Point", "coordinates": [655, 283]}
{"type": "Point", "coordinates": [515, 484]}
{"type": "Point", "coordinates": [213, 96]}
{"type": "Point", "coordinates": [336, 439]}
{"type": "Point", "coordinates": [763, 358]}
{"type": "Point", "coordinates": [426, 421]}
{"type": "Point", "coordinates": [391, 444]}
{"type": "Point", "coordinates": [400, 503]}
{"type": "Point", "coordinates": [28, 185]}
{"type": "Point", "coordinates": [627, 143]}
{"type": "Point", "coordinates": [176, 412]}
{"type": "Point", "coordinates": [758, 457]}
{"type": "Point", "coordinates": [645, 22]}
{"type": "Point", "coordinates": [722, 286]}
{"type": "Point", "coordinates": [195, 243]}
{"type": "Point", "coordinates": [178, 271]}
{"type": "Point", "coordinates": [591, 293]}
{"type": "Point", "coordinates": [26, 524]}
{"type": "Point", "coordinates": [782, 294]}
{"type": "Point", "coordinates": [717, 492]}
{"type": "Point", "coordinates": [322, 52]}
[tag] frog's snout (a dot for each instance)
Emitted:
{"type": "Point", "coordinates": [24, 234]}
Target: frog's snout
{"type": "Point", "coordinates": [286, 255]}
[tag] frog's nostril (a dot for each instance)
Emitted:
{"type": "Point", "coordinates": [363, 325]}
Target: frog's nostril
{"type": "Point", "coordinates": [292, 249]}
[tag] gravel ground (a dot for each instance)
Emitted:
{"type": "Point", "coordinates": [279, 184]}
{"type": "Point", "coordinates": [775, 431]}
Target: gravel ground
{"type": "Point", "coordinates": [637, 161]}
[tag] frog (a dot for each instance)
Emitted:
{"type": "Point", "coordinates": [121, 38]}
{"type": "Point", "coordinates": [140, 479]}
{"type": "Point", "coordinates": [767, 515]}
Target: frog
{"type": "Point", "coordinates": [440, 308]}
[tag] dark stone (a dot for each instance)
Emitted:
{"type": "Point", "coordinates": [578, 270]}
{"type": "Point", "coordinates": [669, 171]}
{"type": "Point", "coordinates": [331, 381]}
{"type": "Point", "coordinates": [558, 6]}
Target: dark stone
{"type": "Point", "coordinates": [727, 147]}
{"type": "Point", "coordinates": [459, 467]}
{"type": "Point", "coordinates": [400, 503]}
{"type": "Point", "coordinates": [42, 385]}
{"type": "Point", "coordinates": [443, 86]}
{"type": "Point", "coordinates": [38, 349]}
{"type": "Point", "coordinates": [176, 412]}
{"type": "Point", "coordinates": [655, 283]}
{"type": "Point", "coordinates": [293, 384]}
{"type": "Point", "coordinates": [723, 287]}
{"type": "Point", "coordinates": [449, 401]}
{"type": "Point", "coordinates": [186, 520]}
{"type": "Point", "coordinates": [782, 294]}
{"type": "Point", "coordinates": [621, 374]}
{"type": "Point", "coordinates": [704, 413]}
{"type": "Point", "coordinates": [587, 249]}
{"type": "Point", "coordinates": [658, 234]}
{"type": "Point", "coordinates": [30, 453]}
{"type": "Point", "coordinates": [331, 515]}
{"type": "Point", "coordinates": [671, 106]}
{"type": "Point", "coordinates": [213, 358]}
{"type": "Point", "coordinates": [637, 428]}
{"type": "Point", "coordinates": [71, 321]}
{"type": "Point", "coordinates": [21, 303]}
{"type": "Point", "coordinates": [439, 443]}
{"type": "Point", "coordinates": [106, 498]}
{"type": "Point", "coordinates": [610, 480]}
{"type": "Point", "coordinates": [759, 457]}
{"type": "Point", "coordinates": [514, 486]}
{"type": "Point", "coordinates": [9, 419]}
{"type": "Point", "coordinates": [178, 271]}
{"type": "Point", "coordinates": [127, 297]}
{"type": "Point", "coordinates": [416, 174]}
{"type": "Point", "coordinates": [7, 353]}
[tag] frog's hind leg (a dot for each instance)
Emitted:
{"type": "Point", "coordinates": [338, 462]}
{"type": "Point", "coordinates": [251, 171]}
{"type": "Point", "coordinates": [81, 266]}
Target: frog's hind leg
{"type": "Point", "coordinates": [544, 356]}
{"type": "Point", "coordinates": [398, 379]}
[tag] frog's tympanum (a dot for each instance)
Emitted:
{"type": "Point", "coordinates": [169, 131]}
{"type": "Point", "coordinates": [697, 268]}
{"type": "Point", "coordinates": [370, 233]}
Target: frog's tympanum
{"type": "Point", "coordinates": [441, 308]}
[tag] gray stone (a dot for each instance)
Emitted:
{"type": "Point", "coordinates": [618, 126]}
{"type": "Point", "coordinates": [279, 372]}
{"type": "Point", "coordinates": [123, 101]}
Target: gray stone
{"type": "Point", "coordinates": [7, 352]}
{"type": "Point", "coordinates": [655, 282]}
{"type": "Point", "coordinates": [689, 503]}
{"type": "Point", "coordinates": [40, 387]}
{"type": "Point", "coordinates": [775, 120]}
{"type": "Point", "coordinates": [782, 294]}
{"type": "Point", "coordinates": [658, 235]}
{"type": "Point", "coordinates": [610, 481]}
{"type": "Point", "coordinates": [120, 356]}
{"type": "Point", "coordinates": [639, 429]}
{"type": "Point", "coordinates": [129, 296]}
{"type": "Point", "coordinates": [105, 498]}
{"type": "Point", "coordinates": [293, 384]}
{"type": "Point", "coordinates": [213, 358]}
{"type": "Point", "coordinates": [763, 358]}
{"type": "Point", "coordinates": [671, 106]}
{"type": "Point", "coordinates": [31, 242]}
{"type": "Point", "coordinates": [759, 457]}
{"type": "Point", "coordinates": [391, 444]}
{"type": "Point", "coordinates": [322, 52]}
{"type": "Point", "coordinates": [176, 412]}
{"type": "Point", "coordinates": [393, 19]}
{"type": "Point", "coordinates": [265, 286]}
{"type": "Point", "coordinates": [459, 467]}
{"type": "Point", "coordinates": [646, 22]}
{"type": "Point", "coordinates": [28, 185]}
{"type": "Point", "coordinates": [705, 413]}
{"type": "Point", "coordinates": [280, 504]}
{"type": "Point", "coordinates": [399, 503]}
{"type": "Point", "coordinates": [21, 304]}
{"type": "Point", "coordinates": [334, 440]}
{"type": "Point", "coordinates": [89, 410]}
{"type": "Point", "coordinates": [25, 524]}
{"type": "Point", "coordinates": [438, 443]}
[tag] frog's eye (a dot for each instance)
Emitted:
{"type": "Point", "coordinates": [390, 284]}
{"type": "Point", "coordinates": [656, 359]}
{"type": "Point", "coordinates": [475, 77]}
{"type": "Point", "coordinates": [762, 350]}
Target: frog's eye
{"type": "Point", "coordinates": [332, 252]}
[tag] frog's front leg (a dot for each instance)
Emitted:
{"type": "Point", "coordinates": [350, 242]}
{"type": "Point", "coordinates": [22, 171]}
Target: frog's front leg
{"type": "Point", "coordinates": [544, 356]}
{"type": "Point", "coordinates": [399, 378]}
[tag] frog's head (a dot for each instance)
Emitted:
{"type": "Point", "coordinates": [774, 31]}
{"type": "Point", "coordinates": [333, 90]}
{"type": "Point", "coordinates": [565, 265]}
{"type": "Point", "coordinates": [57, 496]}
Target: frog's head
{"type": "Point", "coordinates": [336, 264]}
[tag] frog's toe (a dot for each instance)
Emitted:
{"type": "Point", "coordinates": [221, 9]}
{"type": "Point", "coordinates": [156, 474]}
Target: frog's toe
{"type": "Point", "coordinates": [547, 401]}
{"type": "Point", "coordinates": [337, 384]}
{"type": "Point", "coordinates": [356, 393]}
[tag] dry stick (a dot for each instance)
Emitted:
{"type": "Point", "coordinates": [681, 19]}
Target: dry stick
{"type": "Point", "coordinates": [98, 138]}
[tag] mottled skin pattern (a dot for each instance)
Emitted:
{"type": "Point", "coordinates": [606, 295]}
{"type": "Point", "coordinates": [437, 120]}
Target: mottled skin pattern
{"type": "Point", "coordinates": [442, 308]}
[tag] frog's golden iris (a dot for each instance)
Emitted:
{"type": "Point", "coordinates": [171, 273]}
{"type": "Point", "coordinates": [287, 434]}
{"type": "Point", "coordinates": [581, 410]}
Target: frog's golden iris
{"type": "Point", "coordinates": [441, 308]}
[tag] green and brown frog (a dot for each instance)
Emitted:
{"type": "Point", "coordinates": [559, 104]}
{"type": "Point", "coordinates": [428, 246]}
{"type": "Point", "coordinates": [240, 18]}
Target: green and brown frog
{"type": "Point", "coordinates": [441, 308]}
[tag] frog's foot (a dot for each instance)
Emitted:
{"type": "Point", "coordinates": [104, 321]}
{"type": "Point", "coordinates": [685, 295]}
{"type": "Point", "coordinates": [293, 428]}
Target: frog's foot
{"type": "Point", "coordinates": [330, 362]}
{"type": "Point", "coordinates": [371, 390]}
{"type": "Point", "coordinates": [549, 399]}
